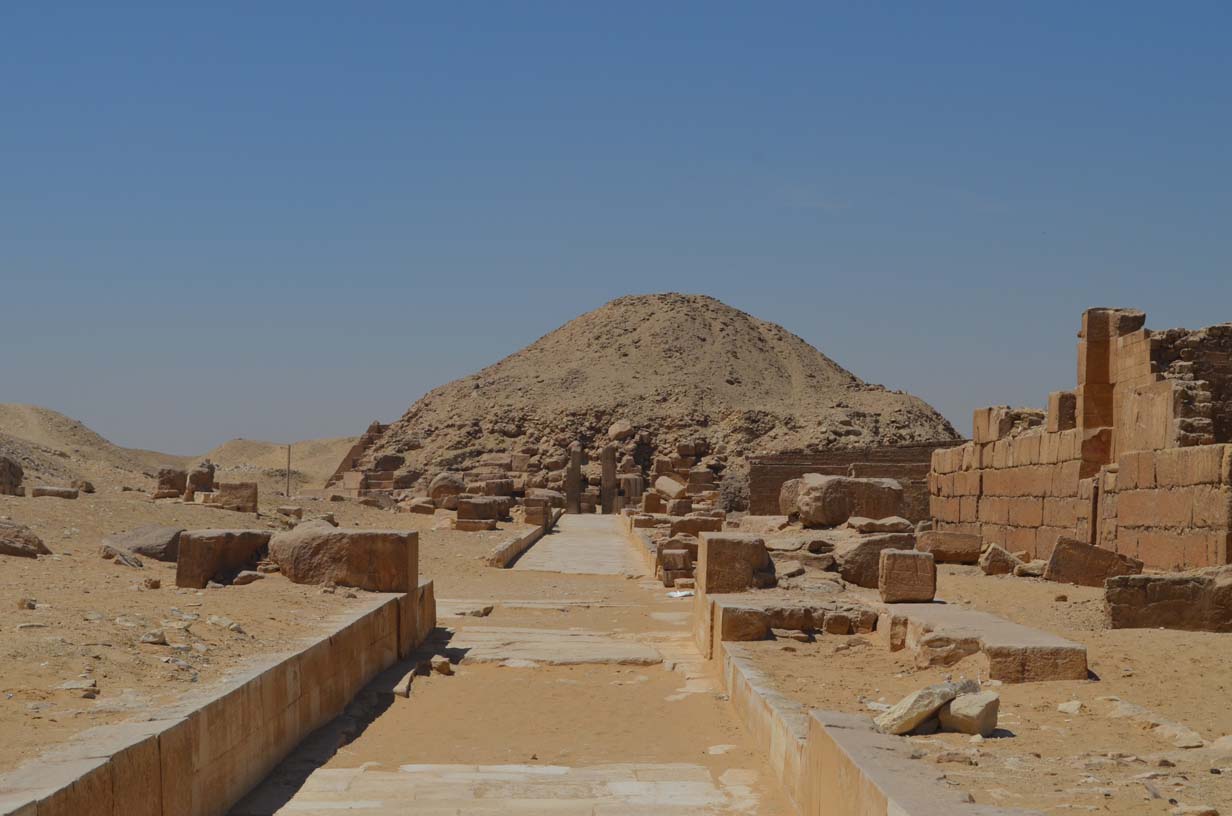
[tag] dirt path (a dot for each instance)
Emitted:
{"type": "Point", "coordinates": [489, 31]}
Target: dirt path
{"type": "Point", "coordinates": [587, 699]}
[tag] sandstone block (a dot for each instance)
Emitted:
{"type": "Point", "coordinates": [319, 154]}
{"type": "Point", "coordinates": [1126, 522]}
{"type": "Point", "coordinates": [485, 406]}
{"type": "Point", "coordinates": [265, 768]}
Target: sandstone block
{"type": "Point", "coordinates": [921, 705]}
{"type": "Point", "coordinates": [11, 475]}
{"type": "Point", "coordinates": [446, 483]}
{"type": "Point", "coordinates": [152, 540]}
{"type": "Point", "coordinates": [679, 507]}
{"type": "Point", "coordinates": [906, 576]}
{"type": "Point", "coordinates": [473, 525]}
{"type": "Point", "coordinates": [731, 562]}
{"type": "Point", "coordinates": [859, 560]}
{"type": "Point", "coordinates": [653, 503]}
{"type": "Point", "coordinates": [209, 554]}
{"type": "Point", "coordinates": [740, 623]}
{"type": "Point", "coordinates": [1031, 569]}
{"type": "Point", "coordinates": [891, 524]}
{"type": "Point", "coordinates": [375, 560]}
{"type": "Point", "coordinates": [240, 497]}
{"type": "Point", "coordinates": [695, 525]}
{"type": "Point", "coordinates": [20, 541]}
{"type": "Point", "coordinates": [498, 487]}
{"type": "Point", "coordinates": [997, 560]}
{"type": "Point", "coordinates": [827, 501]}
{"type": "Point", "coordinates": [422, 505]}
{"type": "Point", "coordinates": [675, 560]}
{"type": "Point", "coordinates": [53, 492]}
{"type": "Point", "coordinates": [1076, 562]}
{"type": "Point", "coordinates": [1199, 600]}
{"type": "Point", "coordinates": [670, 487]}
{"type": "Point", "coordinates": [951, 548]}
{"type": "Point", "coordinates": [480, 507]}
{"type": "Point", "coordinates": [620, 430]}
{"type": "Point", "coordinates": [171, 483]}
{"type": "Point", "coordinates": [971, 713]}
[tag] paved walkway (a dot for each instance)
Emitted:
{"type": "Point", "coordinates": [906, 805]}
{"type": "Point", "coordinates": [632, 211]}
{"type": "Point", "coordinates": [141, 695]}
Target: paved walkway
{"type": "Point", "coordinates": [623, 722]}
{"type": "Point", "coordinates": [590, 544]}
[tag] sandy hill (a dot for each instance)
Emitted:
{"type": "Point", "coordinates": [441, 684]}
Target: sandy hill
{"type": "Point", "coordinates": [55, 449]}
{"type": "Point", "coordinates": [675, 366]}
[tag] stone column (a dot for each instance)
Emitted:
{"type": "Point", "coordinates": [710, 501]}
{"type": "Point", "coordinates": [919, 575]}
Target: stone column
{"type": "Point", "coordinates": [607, 483]}
{"type": "Point", "coordinates": [573, 480]}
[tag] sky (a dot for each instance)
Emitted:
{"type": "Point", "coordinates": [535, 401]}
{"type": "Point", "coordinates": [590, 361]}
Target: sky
{"type": "Point", "coordinates": [284, 220]}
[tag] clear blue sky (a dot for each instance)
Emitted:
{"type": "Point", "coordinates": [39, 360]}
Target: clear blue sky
{"type": "Point", "coordinates": [283, 220]}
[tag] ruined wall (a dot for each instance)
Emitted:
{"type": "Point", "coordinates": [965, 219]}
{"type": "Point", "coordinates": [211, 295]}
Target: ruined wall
{"type": "Point", "coordinates": [1126, 460]}
{"type": "Point", "coordinates": [909, 464]}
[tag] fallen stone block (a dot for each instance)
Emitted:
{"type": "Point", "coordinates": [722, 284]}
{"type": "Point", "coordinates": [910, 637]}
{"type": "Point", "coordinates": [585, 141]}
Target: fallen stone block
{"type": "Point", "coordinates": [481, 507]}
{"type": "Point", "coordinates": [679, 507]}
{"type": "Point", "coordinates": [151, 540]}
{"type": "Point", "coordinates": [1199, 601]}
{"type": "Point", "coordinates": [375, 560]}
{"type": "Point", "coordinates": [696, 525]}
{"type": "Point", "coordinates": [20, 541]}
{"type": "Point", "coordinates": [951, 548]}
{"type": "Point", "coordinates": [997, 561]}
{"type": "Point", "coordinates": [1031, 569]}
{"type": "Point", "coordinates": [291, 511]}
{"type": "Point", "coordinates": [239, 497]}
{"type": "Point", "coordinates": [859, 560]}
{"type": "Point", "coordinates": [473, 525]}
{"type": "Point", "coordinates": [906, 576]}
{"type": "Point", "coordinates": [732, 562]}
{"type": "Point", "coordinates": [827, 501]}
{"type": "Point", "coordinates": [971, 714]}
{"type": "Point", "coordinates": [53, 492]}
{"type": "Point", "coordinates": [1076, 562]}
{"type": "Point", "coordinates": [891, 524]}
{"type": "Point", "coordinates": [920, 706]}
{"type": "Point", "coordinates": [171, 483]}
{"type": "Point", "coordinates": [206, 555]}
{"type": "Point", "coordinates": [670, 487]}
{"type": "Point", "coordinates": [675, 560]}
{"type": "Point", "coordinates": [122, 557]}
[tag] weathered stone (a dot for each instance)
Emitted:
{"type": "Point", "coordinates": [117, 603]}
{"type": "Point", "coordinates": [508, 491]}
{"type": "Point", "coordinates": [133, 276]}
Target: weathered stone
{"type": "Point", "coordinates": [445, 484]}
{"type": "Point", "coordinates": [20, 541]}
{"type": "Point", "coordinates": [171, 483]}
{"type": "Point", "coordinates": [728, 562]}
{"type": "Point", "coordinates": [498, 487]}
{"type": "Point", "coordinates": [1076, 562]}
{"type": "Point", "coordinates": [1031, 569]}
{"type": "Point", "coordinates": [573, 480]}
{"type": "Point", "coordinates": [481, 507]}
{"type": "Point", "coordinates": [291, 511]}
{"type": "Point", "coordinates": [375, 560]}
{"type": "Point", "coordinates": [827, 501]}
{"type": "Point", "coordinates": [1200, 600]}
{"type": "Point", "coordinates": [892, 524]}
{"type": "Point", "coordinates": [127, 559]}
{"type": "Point", "coordinates": [906, 576]}
{"type": "Point", "coordinates": [82, 485]}
{"type": "Point", "coordinates": [420, 504]}
{"type": "Point", "coordinates": [11, 475]}
{"type": "Point", "coordinates": [997, 561]}
{"type": "Point", "coordinates": [744, 623]}
{"type": "Point", "coordinates": [680, 507]}
{"type": "Point", "coordinates": [951, 548]}
{"type": "Point", "coordinates": [670, 487]}
{"type": "Point", "coordinates": [621, 430]}
{"type": "Point", "coordinates": [199, 480]}
{"type": "Point", "coordinates": [789, 494]}
{"type": "Point", "coordinates": [695, 525]}
{"type": "Point", "coordinates": [240, 497]}
{"type": "Point", "coordinates": [152, 540]}
{"type": "Point", "coordinates": [53, 492]}
{"type": "Point", "coordinates": [921, 705]}
{"type": "Point", "coordinates": [971, 713]}
{"type": "Point", "coordinates": [206, 555]}
{"type": "Point", "coordinates": [859, 560]}
{"type": "Point", "coordinates": [473, 525]}
{"type": "Point", "coordinates": [247, 577]}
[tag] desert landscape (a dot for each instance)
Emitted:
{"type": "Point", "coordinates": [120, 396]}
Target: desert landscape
{"type": "Point", "coordinates": [667, 559]}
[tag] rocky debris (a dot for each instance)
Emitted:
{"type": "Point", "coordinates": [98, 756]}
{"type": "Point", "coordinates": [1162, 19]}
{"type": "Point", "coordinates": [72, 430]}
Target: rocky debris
{"type": "Point", "coordinates": [223, 622]}
{"type": "Point", "coordinates": [921, 705]}
{"type": "Point", "coordinates": [26, 603]}
{"type": "Point", "coordinates": [971, 714]}
{"type": "Point", "coordinates": [110, 553]}
{"type": "Point", "coordinates": [291, 511]}
{"type": "Point", "coordinates": [1076, 562]}
{"type": "Point", "coordinates": [996, 560]}
{"type": "Point", "coordinates": [154, 637]}
{"type": "Point", "coordinates": [1031, 569]}
{"type": "Point", "coordinates": [151, 583]}
{"type": "Point", "coordinates": [20, 541]}
{"type": "Point", "coordinates": [890, 524]}
{"type": "Point", "coordinates": [53, 492]}
{"type": "Point", "coordinates": [827, 501]}
{"type": "Point", "coordinates": [788, 569]}
{"type": "Point", "coordinates": [670, 487]}
{"type": "Point", "coordinates": [764, 525]}
{"type": "Point", "coordinates": [375, 560]}
{"type": "Point", "coordinates": [441, 665]}
{"type": "Point", "coordinates": [951, 548]}
{"type": "Point", "coordinates": [859, 560]}
{"type": "Point", "coordinates": [906, 576]}
{"type": "Point", "coordinates": [247, 577]}
{"type": "Point", "coordinates": [207, 555]}
{"type": "Point", "coordinates": [151, 540]}
{"type": "Point", "coordinates": [82, 485]}
{"type": "Point", "coordinates": [11, 475]}
{"type": "Point", "coordinates": [1198, 600]}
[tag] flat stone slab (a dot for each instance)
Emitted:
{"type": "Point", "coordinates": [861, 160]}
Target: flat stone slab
{"type": "Point", "coordinates": [670, 789]}
{"type": "Point", "coordinates": [553, 647]}
{"type": "Point", "coordinates": [583, 544]}
{"type": "Point", "coordinates": [1016, 653]}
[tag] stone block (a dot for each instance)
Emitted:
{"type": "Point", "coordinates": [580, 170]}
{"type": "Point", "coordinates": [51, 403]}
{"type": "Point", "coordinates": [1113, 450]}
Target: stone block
{"type": "Point", "coordinates": [827, 501]}
{"type": "Point", "coordinates": [971, 713]}
{"type": "Point", "coordinates": [675, 560]}
{"type": "Point", "coordinates": [670, 487]}
{"type": "Point", "coordinates": [207, 555]}
{"type": "Point", "coordinates": [695, 525]}
{"type": "Point", "coordinates": [1199, 600]}
{"type": "Point", "coordinates": [152, 540]}
{"type": "Point", "coordinates": [1076, 562]}
{"type": "Point", "coordinates": [730, 562]}
{"type": "Point", "coordinates": [480, 507]}
{"type": "Point", "coordinates": [859, 560]}
{"type": "Point", "coordinates": [240, 497]}
{"type": "Point", "coordinates": [906, 576]}
{"type": "Point", "coordinates": [998, 561]}
{"type": "Point", "coordinates": [474, 525]}
{"type": "Point", "coordinates": [679, 507]}
{"type": "Point", "coordinates": [950, 547]}
{"type": "Point", "coordinates": [38, 491]}
{"type": "Point", "coordinates": [374, 560]}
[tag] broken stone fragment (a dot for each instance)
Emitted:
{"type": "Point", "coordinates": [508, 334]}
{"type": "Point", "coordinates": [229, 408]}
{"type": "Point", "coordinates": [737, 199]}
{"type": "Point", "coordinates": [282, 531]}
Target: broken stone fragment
{"type": "Point", "coordinates": [155, 541]}
{"type": "Point", "coordinates": [921, 705]}
{"type": "Point", "coordinates": [154, 637]}
{"type": "Point", "coordinates": [1031, 569]}
{"type": "Point", "coordinates": [1076, 562]}
{"type": "Point", "coordinates": [971, 713]}
{"type": "Point", "coordinates": [996, 560]}
{"type": "Point", "coordinates": [20, 541]}
{"type": "Point", "coordinates": [890, 524]}
{"type": "Point", "coordinates": [110, 553]}
{"type": "Point", "coordinates": [441, 665]}
{"type": "Point", "coordinates": [247, 577]}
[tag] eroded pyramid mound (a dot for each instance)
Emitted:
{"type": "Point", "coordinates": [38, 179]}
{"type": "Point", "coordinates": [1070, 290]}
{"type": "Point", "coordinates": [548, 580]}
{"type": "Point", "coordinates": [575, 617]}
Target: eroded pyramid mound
{"type": "Point", "coordinates": [675, 368]}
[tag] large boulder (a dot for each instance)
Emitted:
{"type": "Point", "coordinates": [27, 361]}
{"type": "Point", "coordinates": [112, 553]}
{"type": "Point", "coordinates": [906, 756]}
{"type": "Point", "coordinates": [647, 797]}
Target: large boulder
{"type": "Point", "coordinates": [217, 555]}
{"type": "Point", "coordinates": [1076, 562]}
{"type": "Point", "coordinates": [445, 484]}
{"type": "Point", "coordinates": [152, 540]}
{"type": "Point", "coordinates": [11, 475]}
{"type": "Point", "coordinates": [375, 560]}
{"type": "Point", "coordinates": [20, 541]}
{"type": "Point", "coordinates": [827, 501]}
{"type": "Point", "coordinates": [858, 560]}
{"type": "Point", "coordinates": [1200, 600]}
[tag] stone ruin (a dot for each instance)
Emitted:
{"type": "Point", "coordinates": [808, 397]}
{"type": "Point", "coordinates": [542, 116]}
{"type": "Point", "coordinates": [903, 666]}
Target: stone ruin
{"type": "Point", "coordinates": [198, 486]}
{"type": "Point", "coordinates": [1131, 469]}
{"type": "Point", "coordinates": [10, 477]}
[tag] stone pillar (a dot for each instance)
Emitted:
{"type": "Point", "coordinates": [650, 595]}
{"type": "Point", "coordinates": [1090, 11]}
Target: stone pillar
{"type": "Point", "coordinates": [607, 483]}
{"type": "Point", "coordinates": [573, 480]}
